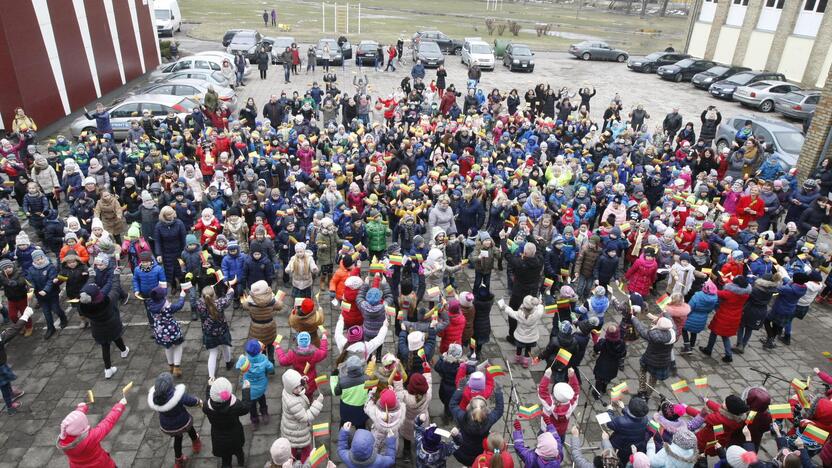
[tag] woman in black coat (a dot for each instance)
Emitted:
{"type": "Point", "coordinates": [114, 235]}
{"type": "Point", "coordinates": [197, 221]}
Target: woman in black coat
{"type": "Point", "coordinates": [513, 101]}
{"type": "Point", "coordinates": [441, 74]}
{"type": "Point", "coordinates": [483, 300]}
{"type": "Point", "coordinates": [170, 236]}
{"type": "Point", "coordinates": [474, 423]}
{"type": "Point", "coordinates": [611, 350]}
{"type": "Point", "coordinates": [248, 114]}
{"type": "Point", "coordinates": [262, 63]}
{"type": "Point", "coordinates": [224, 411]}
{"type": "Point", "coordinates": [105, 323]}
{"type": "Point", "coordinates": [755, 310]}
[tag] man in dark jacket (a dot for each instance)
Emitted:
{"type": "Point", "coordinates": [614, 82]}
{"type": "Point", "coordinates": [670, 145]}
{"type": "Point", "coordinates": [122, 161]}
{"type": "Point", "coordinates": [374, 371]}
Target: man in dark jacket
{"type": "Point", "coordinates": [526, 270]}
{"type": "Point", "coordinates": [817, 214]}
{"type": "Point", "coordinates": [273, 111]}
{"type": "Point", "coordinates": [471, 105]}
{"type": "Point", "coordinates": [672, 123]}
{"type": "Point", "coordinates": [629, 429]}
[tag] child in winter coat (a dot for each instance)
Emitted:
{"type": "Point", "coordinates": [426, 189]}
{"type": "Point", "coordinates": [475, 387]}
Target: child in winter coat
{"type": "Point", "coordinates": [174, 420]}
{"type": "Point", "coordinates": [701, 305]}
{"type": "Point", "coordinates": [679, 453]}
{"type": "Point", "coordinates": [474, 424]}
{"type": "Point", "coordinates": [611, 349]}
{"type": "Point", "coordinates": [41, 276]}
{"type": "Point", "coordinates": [255, 365]}
{"type": "Point", "coordinates": [223, 411]}
{"type": "Point", "coordinates": [549, 450]}
{"type": "Point", "coordinates": [629, 428]}
{"type": "Point", "coordinates": [304, 358]}
{"type": "Point", "coordinates": [528, 325]}
{"type": "Point", "coordinates": [307, 318]}
{"type": "Point", "coordinates": [494, 447]}
{"type": "Point", "coordinates": [599, 302]}
{"type": "Point", "coordinates": [6, 375]}
{"type": "Point", "coordinates": [298, 414]}
{"type": "Point", "coordinates": [730, 415]}
{"type": "Point", "coordinates": [347, 382]}
{"type": "Point", "coordinates": [466, 306]}
{"type": "Point", "coordinates": [81, 443]}
{"type": "Point", "coordinates": [133, 246]}
{"type": "Point", "coordinates": [386, 413]}
{"type": "Point", "coordinates": [74, 275]}
{"type": "Point", "coordinates": [166, 330]}
{"type": "Point", "coordinates": [14, 287]}
{"type": "Point", "coordinates": [559, 401]}
{"type": "Point", "coordinates": [431, 451]}
{"type": "Point", "coordinates": [447, 366]}
{"type": "Point", "coordinates": [456, 326]}
{"type": "Point", "coordinates": [416, 399]}
{"type": "Point", "coordinates": [302, 269]}
{"type": "Point", "coordinates": [362, 452]}
{"type": "Point", "coordinates": [216, 337]}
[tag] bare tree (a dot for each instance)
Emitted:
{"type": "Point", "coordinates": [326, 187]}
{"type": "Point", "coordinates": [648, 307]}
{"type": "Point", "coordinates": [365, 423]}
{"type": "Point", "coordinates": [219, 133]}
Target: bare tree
{"type": "Point", "coordinates": [663, 8]}
{"type": "Point", "coordinates": [643, 8]}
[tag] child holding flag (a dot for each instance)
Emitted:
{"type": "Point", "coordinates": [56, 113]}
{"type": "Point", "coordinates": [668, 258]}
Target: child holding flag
{"type": "Point", "coordinates": [254, 365]}
{"type": "Point", "coordinates": [416, 398]}
{"type": "Point", "coordinates": [559, 400]}
{"type": "Point", "coordinates": [298, 414]}
{"type": "Point", "coordinates": [414, 350]}
{"type": "Point", "coordinates": [528, 325]}
{"type": "Point", "coordinates": [549, 450]}
{"type": "Point", "coordinates": [717, 423]}
{"type": "Point", "coordinates": [305, 357]}
{"type": "Point", "coordinates": [223, 411]}
{"type": "Point", "coordinates": [611, 349]}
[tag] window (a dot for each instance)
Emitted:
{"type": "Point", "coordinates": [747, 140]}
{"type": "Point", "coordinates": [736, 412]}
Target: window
{"type": "Point", "coordinates": [183, 65]}
{"type": "Point", "coordinates": [777, 4]}
{"type": "Point", "coordinates": [741, 2]}
{"type": "Point", "coordinates": [167, 89]}
{"type": "Point", "coordinates": [812, 99]}
{"type": "Point", "coordinates": [124, 111]}
{"type": "Point", "coordinates": [155, 109]}
{"type": "Point", "coordinates": [817, 6]}
{"type": "Point", "coordinates": [202, 64]}
{"type": "Point", "coordinates": [184, 90]}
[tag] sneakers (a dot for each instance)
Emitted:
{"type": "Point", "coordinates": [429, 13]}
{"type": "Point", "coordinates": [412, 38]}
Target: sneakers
{"type": "Point", "coordinates": [125, 352]}
{"type": "Point", "coordinates": [739, 348]}
{"type": "Point", "coordinates": [196, 446]}
{"type": "Point", "coordinates": [727, 359]}
{"type": "Point", "coordinates": [686, 350]}
{"type": "Point", "coordinates": [109, 373]}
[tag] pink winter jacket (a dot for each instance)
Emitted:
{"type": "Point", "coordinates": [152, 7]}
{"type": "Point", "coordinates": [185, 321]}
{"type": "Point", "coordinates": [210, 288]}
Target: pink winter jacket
{"type": "Point", "coordinates": [561, 412]}
{"type": "Point", "coordinates": [298, 359]}
{"type": "Point", "coordinates": [85, 451]}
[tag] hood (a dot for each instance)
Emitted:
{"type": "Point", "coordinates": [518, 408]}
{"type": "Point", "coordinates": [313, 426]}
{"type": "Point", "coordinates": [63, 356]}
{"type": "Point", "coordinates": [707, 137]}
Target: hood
{"type": "Point", "coordinates": [738, 290]}
{"type": "Point", "coordinates": [291, 380]}
{"type": "Point", "coordinates": [178, 393]}
{"type": "Point", "coordinates": [757, 399]}
{"type": "Point", "coordinates": [362, 451]}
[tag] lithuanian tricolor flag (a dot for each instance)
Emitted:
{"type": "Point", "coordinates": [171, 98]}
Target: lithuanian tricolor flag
{"type": "Point", "coordinates": [680, 386]}
{"type": "Point", "coordinates": [780, 411]}
{"type": "Point", "coordinates": [663, 301]}
{"type": "Point", "coordinates": [318, 457]}
{"type": "Point", "coordinates": [815, 433]}
{"type": "Point", "coordinates": [496, 371]}
{"type": "Point", "coordinates": [563, 356]}
{"type": "Point", "coordinates": [550, 309]}
{"type": "Point", "coordinates": [548, 282]}
{"type": "Point", "coordinates": [750, 417]}
{"type": "Point", "coordinates": [396, 260]}
{"type": "Point", "coordinates": [701, 382]}
{"type": "Point", "coordinates": [654, 426]}
{"type": "Point", "coordinates": [322, 379]}
{"type": "Point", "coordinates": [530, 412]}
{"type": "Point", "coordinates": [320, 430]}
{"type": "Point", "coordinates": [719, 430]}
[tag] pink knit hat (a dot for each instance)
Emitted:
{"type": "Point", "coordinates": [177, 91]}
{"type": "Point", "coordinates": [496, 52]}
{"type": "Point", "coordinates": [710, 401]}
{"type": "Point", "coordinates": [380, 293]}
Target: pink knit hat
{"type": "Point", "coordinates": [355, 334]}
{"type": "Point", "coordinates": [547, 446]}
{"type": "Point", "coordinates": [75, 423]}
{"type": "Point", "coordinates": [709, 287]}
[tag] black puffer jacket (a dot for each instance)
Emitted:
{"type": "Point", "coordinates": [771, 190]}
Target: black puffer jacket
{"type": "Point", "coordinates": [104, 320]}
{"type": "Point", "coordinates": [659, 345]}
{"type": "Point", "coordinates": [756, 307]}
{"type": "Point", "coordinates": [474, 432]}
{"type": "Point", "coordinates": [227, 436]}
{"type": "Point", "coordinates": [526, 272]}
{"type": "Point", "coordinates": [482, 317]}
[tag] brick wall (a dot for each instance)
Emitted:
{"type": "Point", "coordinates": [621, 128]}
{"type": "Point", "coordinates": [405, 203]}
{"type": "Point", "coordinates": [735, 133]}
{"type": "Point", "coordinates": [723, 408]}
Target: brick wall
{"type": "Point", "coordinates": [818, 131]}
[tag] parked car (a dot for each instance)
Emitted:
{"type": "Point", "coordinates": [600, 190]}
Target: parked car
{"type": "Point", "coordinates": [226, 38]}
{"type": "Point", "coordinates": [724, 89]}
{"type": "Point", "coordinates": [762, 94]}
{"type": "Point", "coordinates": [445, 43]}
{"type": "Point", "coordinates": [123, 113]}
{"type": "Point", "coordinates": [222, 55]}
{"type": "Point", "coordinates": [245, 42]}
{"type": "Point", "coordinates": [193, 63]}
{"type": "Point", "coordinates": [597, 50]}
{"type": "Point", "coordinates": [518, 57]}
{"type": "Point", "coordinates": [429, 54]}
{"type": "Point", "coordinates": [684, 69]}
{"type": "Point", "coordinates": [703, 80]}
{"type": "Point", "coordinates": [191, 88]}
{"type": "Point", "coordinates": [782, 141]}
{"type": "Point", "coordinates": [798, 104]}
{"type": "Point", "coordinates": [168, 17]}
{"type": "Point", "coordinates": [475, 51]}
{"type": "Point", "coordinates": [337, 55]}
{"type": "Point", "coordinates": [279, 44]}
{"type": "Point", "coordinates": [650, 63]}
{"type": "Point", "coordinates": [209, 77]}
{"type": "Point", "coordinates": [367, 53]}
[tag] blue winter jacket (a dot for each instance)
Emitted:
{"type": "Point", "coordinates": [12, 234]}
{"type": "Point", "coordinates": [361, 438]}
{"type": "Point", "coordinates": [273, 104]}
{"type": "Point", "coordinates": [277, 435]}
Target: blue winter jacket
{"type": "Point", "coordinates": [42, 279]}
{"type": "Point", "coordinates": [256, 270]}
{"type": "Point", "coordinates": [232, 266]}
{"type": "Point", "coordinates": [145, 281]}
{"type": "Point", "coordinates": [628, 430]}
{"type": "Point", "coordinates": [256, 375]}
{"type": "Point", "coordinates": [363, 450]}
{"type": "Point", "coordinates": [701, 305]}
{"type": "Point", "coordinates": [172, 413]}
{"type": "Point", "coordinates": [785, 303]}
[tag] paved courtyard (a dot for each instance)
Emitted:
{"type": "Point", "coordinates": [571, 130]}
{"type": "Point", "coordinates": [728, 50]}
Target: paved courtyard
{"type": "Point", "coordinates": [57, 374]}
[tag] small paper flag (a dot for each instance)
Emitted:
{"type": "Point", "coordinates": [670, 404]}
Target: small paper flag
{"type": "Point", "coordinates": [345, 307]}
{"type": "Point", "coordinates": [320, 430]}
{"type": "Point", "coordinates": [90, 396]}
{"type": "Point", "coordinates": [434, 291]}
{"type": "Point", "coordinates": [306, 368]}
{"type": "Point", "coordinates": [281, 294]}
{"type": "Point", "coordinates": [377, 267]}
{"type": "Point", "coordinates": [472, 343]}
{"type": "Point", "coordinates": [654, 426]}
{"type": "Point", "coordinates": [798, 384]}
{"type": "Point", "coordinates": [548, 282]}
{"type": "Point", "coordinates": [680, 386]}
{"type": "Point", "coordinates": [530, 412]}
{"type": "Point", "coordinates": [322, 379]}
{"type": "Point", "coordinates": [750, 417]}
{"type": "Point", "coordinates": [496, 371]}
{"type": "Point", "coordinates": [432, 313]}
{"type": "Point", "coordinates": [663, 301]}
{"type": "Point", "coordinates": [126, 388]}
{"type": "Point", "coordinates": [318, 457]}
{"type": "Point", "coordinates": [396, 260]}
{"type": "Point", "coordinates": [550, 309]}
{"type": "Point", "coordinates": [719, 430]}
{"type": "Point", "coordinates": [449, 290]}
{"type": "Point", "coordinates": [299, 301]}
{"type": "Point", "coordinates": [621, 388]}
{"type": "Point", "coordinates": [827, 355]}
{"type": "Point", "coordinates": [780, 411]}
{"type": "Point", "coordinates": [278, 338]}
{"type": "Point", "coordinates": [563, 356]}
{"type": "Point", "coordinates": [701, 382]}
{"type": "Point", "coordinates": [815, 433]}
{"type": "Point", "coordinates": [421, 353]}
{"type": "Point", "coordinates": [370, 384]}
{"type": "Point", "coordinates": [390, 310]}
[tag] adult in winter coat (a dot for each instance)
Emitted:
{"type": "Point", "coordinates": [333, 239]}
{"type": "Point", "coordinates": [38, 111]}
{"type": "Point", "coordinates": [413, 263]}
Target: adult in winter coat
{"type": "Point", "coordinates": [105, 323]}
{"type": "Point", "coordinates": [361, 452]}
{"type": "Point", "coordinates": [756, 308]}
{"type": "Point", "coordinates": [262, 307]}
{"type": "Point", "coordinates": [726, 322]}
{"type": "Point", "coordinates": [174, 420]}
{"type": "Point", "coordinates": [223, 411]}
{"type": "Point", "coordinates": [298, 414]}
{"type": "Point", "coordinates": [483, 301]}
{"type": "Point", "coordinates": [81, 443]}
{"type": "Point", "coordinates": [701, 305]}
{"type": "Point", "coordinates": [526, 270]}
{"type": "Point", "coordinates": [711, 119]}
{"type": "Point", "coordinates": [656, 360]}
{"type": "Point", "coordinates": [169, 237]}
{"type": "Point", "coordinates": [474, 423]}
{"type": "Point", "coordinates": [630, 428]}
{"type": "Point", "coordinates": [442, 216]}
{"type": "Point", "coordinates": [783, 310]}
{"type": "Point", "coordinates": [642, 274]}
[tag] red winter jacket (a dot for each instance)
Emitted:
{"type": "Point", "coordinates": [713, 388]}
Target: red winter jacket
{"type": "Point", "coordinates": [453, 332]}
{"type": "Point", "coordinates": [483, 460]}
{"type": "Point", "coordinates": [560, 412]}
{"type": "Point", "coordinates": [726, 322]}
{"type": "Point", "coordinates": [299, 358]}
{"type": "Point", "coordinates": [85, 451]}
{"type": "Point", "coordinates": [467, 393]}
{"type": "Point", "coordinates": [353, 317]}
{"type": "Point", "coordinates": [719, 415]}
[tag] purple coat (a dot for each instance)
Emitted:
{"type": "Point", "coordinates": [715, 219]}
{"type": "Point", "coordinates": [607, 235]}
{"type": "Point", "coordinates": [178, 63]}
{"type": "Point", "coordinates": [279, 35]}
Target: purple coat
{"type": "Point", "coordinates": [530, 458]}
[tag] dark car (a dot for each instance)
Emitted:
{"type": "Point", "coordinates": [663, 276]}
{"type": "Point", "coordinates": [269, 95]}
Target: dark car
{"type": "Point", "coordinates": [445, 43]}
{"type": "Point", "coordinates": [724, 89]}
{"type": "Point", "coordinates": [337, 54]}
{"type": "Point", "coordinates": [429, 54]}
{"type": "Point", "coordinates": [367, 53]}
{"type": "Point", "coordinates": [226, 38]}
{"type": "Point", "coordinates": [247, 42]}
{"type": "Point", "coordinates": [518, 57]}
{"type": "Point", "coordinates": [705, 79]}
{"type": "Point", "coordinates": [278, 46]}
{"type": "Point", "coordinates": [684, 69]}
{"type": "Point", "coordinates": [652, 62]}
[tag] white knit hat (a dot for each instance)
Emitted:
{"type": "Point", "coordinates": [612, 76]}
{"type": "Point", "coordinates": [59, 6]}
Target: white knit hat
{"type": "Point", "coordinates": [563, 392]}
{"type": "Point", "coordinates": [221, 390]}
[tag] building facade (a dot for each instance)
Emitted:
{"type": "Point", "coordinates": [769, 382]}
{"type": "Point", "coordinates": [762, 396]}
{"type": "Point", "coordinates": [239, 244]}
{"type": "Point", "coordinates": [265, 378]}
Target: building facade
{"type": "Point", "coordinates": [793, 37]}
{"type": "Point", "coordinates": [60, 55]}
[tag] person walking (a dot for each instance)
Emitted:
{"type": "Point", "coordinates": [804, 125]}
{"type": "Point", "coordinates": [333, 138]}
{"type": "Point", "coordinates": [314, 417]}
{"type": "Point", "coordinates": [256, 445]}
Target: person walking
{"type": "Point", "coordinates": [169, 401]}
{"type": "Point", "coordinates": [223, 411]}
{"type": "Point", "coordinates": [240, 68]}
{"type": "Point", "coordinates": [105, 323]}
{"type": "Point", "coordinates": [274, 17]}
{"type": "Point", "coordinates": [265, 18]}
{"type": "Point", "coordinates": [81, 443]}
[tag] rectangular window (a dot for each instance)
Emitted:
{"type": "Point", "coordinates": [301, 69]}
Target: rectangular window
{"type": "Point", "coordinates": [777, 4]}
{"type": "Point", "coordinates": [821, 6]}
{"type": "Point", "coordinates": [809, 5]}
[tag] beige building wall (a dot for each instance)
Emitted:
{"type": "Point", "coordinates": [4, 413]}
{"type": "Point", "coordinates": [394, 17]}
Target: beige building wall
{"type": "Point", "coordinates": [758, 48]}
{"type": "Point", "coordinates": [726, 44]}
{"type": "Point", "coordinates": [699, 39]}
{"type": "Point", "coordinates": [795, 57]}
{"type": "Point", "coordinates": [824, 71]}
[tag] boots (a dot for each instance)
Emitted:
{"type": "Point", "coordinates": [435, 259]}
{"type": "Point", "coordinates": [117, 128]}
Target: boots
{"type": "Point", "coordinates": [170, 368]}
{"type": "Point", "coordinates": [177, 371]}
{"type": "Point", "coordinates": [255, 421]}
{"type": "Point", "coordinates": [525, 362]}
{"type": "Point", "coordinates": [768, 343]}
{"type": "Point", "coordinates": [739, 348]}
{"type": "Point", "coordinates": [181, 462]}
{"type": "Point", "coordinates": [518, 359]}
{"type": "Point", "coordinates": [705, 351]}
{"type": "Point", "coordinates": [686, 350]}
{"type": "Point", "coordinates": [196, 445]}
{"type": "Point", "coordinates": [786, 339]}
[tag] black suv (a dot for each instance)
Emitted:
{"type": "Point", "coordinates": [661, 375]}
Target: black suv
{"type": "Point", "coordinates": [446, 44]}
{"type": "Point", "coordinates": [725, 89]}
{"type": "Point", "coordinates": [684, 69]}
{"type": "Point", "coordinates": [518, 57]}
{"type": "Point", "coordinates": [226, 38]}
{"type": "Point", "coordinates": [710, 76]}
{"type": "Point", "coordinates": [652, 62]}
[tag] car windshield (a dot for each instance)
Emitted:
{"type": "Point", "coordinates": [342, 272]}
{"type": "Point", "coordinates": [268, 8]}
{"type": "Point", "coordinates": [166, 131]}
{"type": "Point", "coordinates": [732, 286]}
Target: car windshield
{"type": "Point", "coordinates": [480, 49]}
{"type": "Point", "coordinates": [429, 47]}
{"type": "Point", "coordinates": [243, 39]}
{"type": "Point", "coordinates": [684, 63]}
{"type": "Point", "coordinates": [521, 51]}
{"type": "Point", "coordinates": [282, 44]}
{"type": "Point", "coordinates": [654, 56]}
{"type": "Point", "coordinates": [369, 47]}
{"type": "Point", "coordinates": [741, 78]}
{"type": "Point", "coordinates": [717, 70]}
{"type": "Point", "coordinates": [162, 14]}
{"type": "Point", "coordinates": [790, 142]}
{"type": "Point", "coordinates": [794, 97]}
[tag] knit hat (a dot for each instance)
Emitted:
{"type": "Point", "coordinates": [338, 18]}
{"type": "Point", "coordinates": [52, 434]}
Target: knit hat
{"type": "Point", "coordinates": [738, 457]}
{"type": "Point", "coordinates": [735, 405]}
{"type": "Point", "coordinates": [417, 385]}
{"type": "Point", "coordinates": [431, 440]}
{"type": "Point", "coordinates": [664, 323]}
{"type": "Point", "coordinates": [737, 254]}
{"type": "Point", "coordinates": [191, 239]}
{"type": "Point", "coordinates": [613, 333]}
{"type": "Point", "coordinates": [640, 459]}
{"type": "Point", "coordinates": [355, 334]}
{"type": "Point", "coordinates": [740, 281]}
{"type": "Point", "coordinates": [221, 390]}
{"type": "Point", "coordinates": [158, 294]}
{"type": "Point", "coordinates": [702, 246]}
{"type": "Point", "coordinates": [304, 339]}
{"type": "Point", "coordinates": [567, 292]}
{"type": "Point", "coordinates": [307, 306]}
{"type": "Point", "coordinates": [466, 299]}
{"type": "Point", "coordinates": [91, 294]}
{"type": "Point", "coordinates": [415, 340]}
{"type": "Point", "coordinates": [134, 232]}
{"type": "Point", "coordinates": [599, 291]}
{"type": "Point", "coordinates": [253, 347]}
{"type": "Point", "coordinates": [353, 282]}
{"type": "Point", "coordinates": [280, 451]}
{"type": "Point", "coordinates": [300, 247]}
{"type": "Point", "coordinates": [74, 424]}
{"type": "Point", "coordinates": [233, 244]}
{"type": "Point", "coordinates": [6, 263]}
{"type": "Point", "coordinates": [455, 351]}
{"type": "Point", "coordinates": [102, 258]}
{"type": "Point", "coordinates": [387, 400]}
{"type": "Point", "coordinates": [145, 256]}
{"type": "Point", "coordinates": [547, 446]}
{"type": "Point", "coordinates": [685, 439]}
{"type": "Point", "coordinates": [260, 288]}
{"type": "Point", "coordinates": [70, 236]}
{"type": "Point", "coordinates": [453, 306]}
{"type": "Point", "coordinates": [477, 381]}
{"type": "Point", "coordinates": [563, 392]}
{"type": "Point", "coordinates": [373, 296]}
{"type": "Point", "coordinates": [530, 302]}
{"type": "Point", "coordinates": [38, 255]}
{"type": "Point", "coordinates": [638, 407]}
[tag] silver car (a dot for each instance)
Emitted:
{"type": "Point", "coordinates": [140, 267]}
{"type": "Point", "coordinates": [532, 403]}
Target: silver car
{"type": "Point", "coordinates": [191, 88]}
{"type": "Point", "coordinates": [782, 141]}
{"type": "Point", "coordinates": [279, 44]}
{"type": "Point", "coordinates": [597, 50]}
{"type": "Point", "coordinates": [122, 113]}
{"type": "Point", "coordinates": [798, 104]}
{"type": "Point", "coordinates": [762, 94]}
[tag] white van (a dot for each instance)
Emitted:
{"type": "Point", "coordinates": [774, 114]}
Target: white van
{"type": "Point", "coordinates": [167, 15]}
{"type": "Point", "coordinates": [477, 51]}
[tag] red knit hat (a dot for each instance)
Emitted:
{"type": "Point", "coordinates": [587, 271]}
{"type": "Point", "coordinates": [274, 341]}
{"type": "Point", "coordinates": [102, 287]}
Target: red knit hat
{"type": "Point", "coordinates": [417, 385]}
{"type": "Point", "coordinates": [307, 306]}
{"type": "Point", "coordinates": [387, 400]}
{"type": "Point", "coordinates": [703, 246]}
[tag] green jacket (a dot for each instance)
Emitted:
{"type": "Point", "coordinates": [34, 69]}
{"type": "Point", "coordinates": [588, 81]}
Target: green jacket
{"type": "Point", "coordinates": [377, 235]}
{"type": "Point", "coordinates": [328, 245]}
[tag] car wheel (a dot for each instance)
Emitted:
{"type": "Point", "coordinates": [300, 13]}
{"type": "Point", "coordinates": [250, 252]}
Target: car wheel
{"type": "Point", "coordinates": [586, 56]}
{"type": "Point", "coordinates": [767, 105]}
{"type": "Point", "coordinates": [457, 51]}
{"type": "Point", "coordinates": [621, 58]}
{"type": "Point", "coordinates": [721, 145]}
{"type": "Point", "coordinates": [678, 78]}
